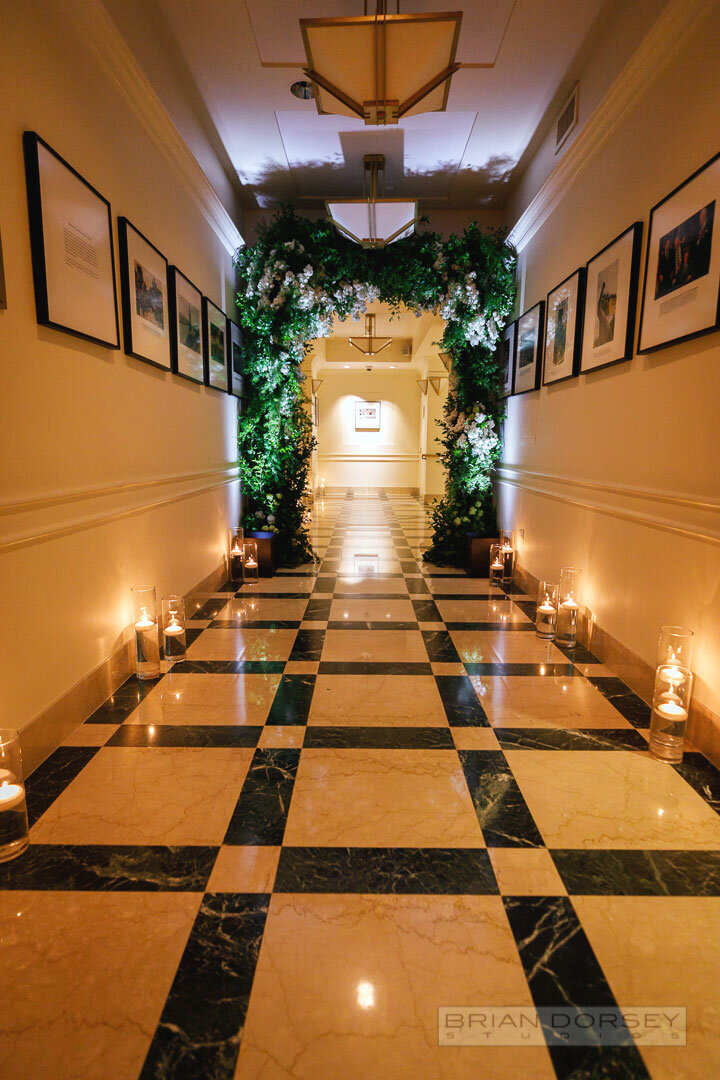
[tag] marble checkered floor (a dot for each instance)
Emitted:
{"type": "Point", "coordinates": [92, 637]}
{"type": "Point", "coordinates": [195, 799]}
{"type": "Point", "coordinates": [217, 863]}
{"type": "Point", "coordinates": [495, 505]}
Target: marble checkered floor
{"type": "Point", "coordinates": [359, 799]}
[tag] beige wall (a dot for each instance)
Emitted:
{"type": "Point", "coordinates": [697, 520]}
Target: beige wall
{"type": "Point", "coordinates": [83, 424]}
{"type": "Point", "coordinates": [627, 455]}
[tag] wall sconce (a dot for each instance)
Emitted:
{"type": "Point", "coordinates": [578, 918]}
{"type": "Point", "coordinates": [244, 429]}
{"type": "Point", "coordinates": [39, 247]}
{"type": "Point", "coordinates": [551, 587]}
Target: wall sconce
{"type": "Point", "coordinates": [174, 629]}
{"type": "Point", "coordinates": [147, 642]}
{"type": "Point", "coordinates": [497, 565]}
{"type": "Point", "coordinates": [569, 606]}
{"type": "Point", "coordinates": [547, 610]}
{"type": "Point", "coordinates": [250, 559]}
{"type": "Point", "coordinates": [672, 694]}
{"type": "Point", "coordinates": [237, 539]}
{"type": "Point", "coordinates": [508, 556]}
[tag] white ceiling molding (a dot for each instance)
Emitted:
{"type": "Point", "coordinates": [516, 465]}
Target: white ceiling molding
{"type": "Point", "coordinates": [652, 56]}
{"type": "Point", "coordinates": [100, 32]}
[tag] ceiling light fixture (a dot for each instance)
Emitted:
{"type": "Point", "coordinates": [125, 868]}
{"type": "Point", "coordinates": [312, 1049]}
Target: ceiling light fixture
{"type": "Point", "coordinates": [302, 90]}
{"type": "Point", "coordinates": [373, 221]}
{"type": "Point", "coordinates": [382, 67]}
{"type": "Point", "coordinates": [370, 345]}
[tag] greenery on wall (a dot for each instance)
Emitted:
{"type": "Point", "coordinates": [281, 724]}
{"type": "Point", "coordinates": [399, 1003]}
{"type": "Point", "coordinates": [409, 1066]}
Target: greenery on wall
{"type": "Point", "coordinates": [291, 282]}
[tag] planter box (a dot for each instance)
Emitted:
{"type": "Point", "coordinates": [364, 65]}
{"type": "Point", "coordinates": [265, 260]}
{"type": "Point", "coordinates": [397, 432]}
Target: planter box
{"type": "Point", "coordinates": [477, 562]}
{"type": "Point", "coordinates": [267, 558]}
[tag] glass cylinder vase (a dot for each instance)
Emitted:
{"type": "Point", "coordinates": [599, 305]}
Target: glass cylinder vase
{"type": "Point", "coordinates": [672, 694]}
{"type": "Point", "coordinates": [547, 610]}
{"type": "Point", "coordinates": [497, 565]}
{"type": "Point", "coordinates": [147, 641]}
{"type": "Point", "coordinates": [568, 606]}
{"type": "Point", "coordinates": [174, 628]}
{"type": "Point", "coordinates": [250, 562]}
{"type": "Point", "coordinates": [507, 552]}
{"type": "Point", "coordinates": [235, 557]}
{"type": "Point", "coordinates": [13, 808]}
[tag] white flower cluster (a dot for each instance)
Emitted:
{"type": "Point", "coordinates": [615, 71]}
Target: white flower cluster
{"type": "Point", "coordinates": [476, 432]}
{"type": "Point", "coordinates": [480, 328]}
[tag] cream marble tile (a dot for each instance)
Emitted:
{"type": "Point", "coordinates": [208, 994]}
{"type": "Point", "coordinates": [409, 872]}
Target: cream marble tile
{"type": "Point", "coordinates": [372, 611]}
{"type": "Point", "coordinates": [289, 735]}
{"type": "Point", "coordinates": [545, 701]}
{"type": "Point", "coordinates": [613, 799]}
{"type": "Point", "coordinates": [264, 608]}
{"type": "Point", "coordinates": [301, 667]}
{"type": "Point", "coordinates": [462, 586]}
{"type": "Point", "coordinates": [242, 645]}
{"type": "Point", "coordinates": [313, 624]}
{"type": "Point", "coordinates": [375, 585]}
{"type": "Point", "coordinates": [377, 700]}
{"type": "Point", "coordinates": [475, 611]}
{"type": "Point", "coordinates": [84, 979]}
{"type": "Point", "coordinates": [382, 798]}
{"type": "Point", "coordinates": [280, 584]}
{"type": "Point", "coordinates": [475, 738]}
{"type": "Point", "coordinates": [244, 869]}
{"type": "Point", "coordinates": [148, 795]}
{"type": "Point", "coordinates": [353, 983]}
{"type": "Point", "coordinates": [90, 735]}
{"type": "Point", "coordinates": [447, 668]}
{"type": "Point", "coordinates": [526, 872]}
{"type": "Point", "coordinates": [506, 647]}
{"type": "Point", "coordinates": [208, 699]}
{"type": "Point", "coordinates": [375, 646]}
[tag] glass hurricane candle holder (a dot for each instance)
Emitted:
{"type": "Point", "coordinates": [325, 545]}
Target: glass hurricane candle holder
{"type": "Point", "coordinates": [237, 539]}
{"type": "Point", "coordinates": [497, 565]}
{"type": "Point", "coordinates": [508, 555]}
{"type": "Point", "coordinates": [672, 694]}
{"type": "Point", "coordinates": [250, 561]}
{"type": "Point", "coordinates": [13, 808]}
{"type": "Point", "coordinates": [174, 628]}
{"type": "Point", "coordinates": [547, 610]}
{"type": "Point", "coordinates": [568, 606]}
{"type": "Point", "coordinates": [147, 642]}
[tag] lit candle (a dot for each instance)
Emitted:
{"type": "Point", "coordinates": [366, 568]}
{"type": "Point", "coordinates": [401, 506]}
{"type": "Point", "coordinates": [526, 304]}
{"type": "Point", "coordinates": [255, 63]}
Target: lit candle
{"type": "Point", "coordinates": [672, 710]}
{"type": "Point", "coordinates": [144, 622]}
{"type": "Point", "coordinates": [497, 565]}
{"type": "Point", "coordinates": [11, 795]}
{"type": "Point", "coordinates": [570, 604]}
{"type": "Point", "coordinates": [672, 674]}
{"type": "Point", "coordinates": [251, 564]}
{"type": "Point", "coordinates": [174, 627]}
{"type": "Point", "coordinates": [546, 608]}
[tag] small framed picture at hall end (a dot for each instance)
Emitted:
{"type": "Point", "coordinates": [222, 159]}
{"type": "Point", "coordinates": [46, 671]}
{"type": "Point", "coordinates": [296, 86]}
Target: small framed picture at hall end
{"type": "Point", "coordinates": [681, 293]}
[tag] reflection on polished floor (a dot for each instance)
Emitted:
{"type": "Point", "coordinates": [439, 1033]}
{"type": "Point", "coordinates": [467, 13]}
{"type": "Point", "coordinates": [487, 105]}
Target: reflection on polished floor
{"type": "Point", "coordinates": [358, 800]}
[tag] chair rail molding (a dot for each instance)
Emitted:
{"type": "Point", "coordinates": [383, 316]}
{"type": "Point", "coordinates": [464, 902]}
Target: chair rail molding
{"type": "Point", "coordinates": [92, 19]}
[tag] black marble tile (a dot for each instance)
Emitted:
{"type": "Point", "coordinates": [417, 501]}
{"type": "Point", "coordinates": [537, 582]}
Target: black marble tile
{"type": "Point", "coordinates": [416, 586]}
{"type": "Point", "coordinates": [409, 566]}
{"type": "Point", "coordinates": [528, 607]}
{"type": "Point", "coordinates": [229, 586]}
{"type": "Point", "coordinates": [379, 738]}
{"type": "Point", "coordinates": [51, 778]}
{"type": "Point", "coordinates": [329, 567]}
{"type": "Point", "coordinates": [633, 872]}
{"type": "Point", "coordinates": [200, 1028]}
{"type": "Point", "coordinates": [254, 624]}
{"type": "Point", "coordinates": [367, 667]}
{"type": "Point", "coordinates": [369, 596]}
{"type": "Point", "coordinates": [702, 775]}
{"type": "Point", "coordinates": [210, 609]}
{"type": "Point", "coordinates": [108, 868]}
{"type": "Point", "coordinates": [295, 573]}
{"type": "Point", "coordinates": [402, 871]}
{"type": "Point", "coordinates": [308, 645]}
{"type": "Point", "coordinates": [325, 584]}
{"type": "Point", "coordinates": [624, 700]}
{"type": "Point", "coordinates": [403, 552]}
{"type": "Point", "coordinates": [570, 739]}
{"type": "Point", "coordinates": [426, 611]}
{"type": "Point", "coordinates": [229, 667]}
{"type": "Point", "coordinates": [504, 816]}
{"type": "Point", "coordinates": [192, 634]}
{"type": "Point", "coordinates": [291, 704]}
{"type": "Point", "coordinates": [124, 701]}
{"type": "Point", "coordinates": [317, 610]}
{"type": "Point", "coordinates": [461, 703]}
{"type": "Point", "coordinates": [261, 811]}
{"type": "Point", "coordinates": [346, 624]}
{"type": "Point", "coordinates": [440, 647]}
{"type": "Point", "coordinates": [578, 654]}
{"type": "Point", "coordinates": [566, 670]}
{"type": "Point", "coordinates": [209, 735]}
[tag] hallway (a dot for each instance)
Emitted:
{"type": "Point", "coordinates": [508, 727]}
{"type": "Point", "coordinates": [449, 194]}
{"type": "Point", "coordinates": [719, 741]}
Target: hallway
{"type": "Point", "coordinates": [368, 793]}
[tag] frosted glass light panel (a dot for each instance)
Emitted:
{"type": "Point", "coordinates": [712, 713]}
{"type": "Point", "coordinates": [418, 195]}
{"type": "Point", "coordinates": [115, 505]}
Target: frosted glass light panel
{"type": "Point", "coordinates": [145, 624]}
{"type": "Point", "coordinates": [13, 809]}
{"type": "Point", "coordinates": [569, 606]}
{"type": "Point", "coordinates": [174, 628]}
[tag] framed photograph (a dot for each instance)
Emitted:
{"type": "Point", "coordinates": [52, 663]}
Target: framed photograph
{"type": "Point", "coordinates": [186, 341]}
{"type": "Point", "coordinates": [611, 301]}
{"type": "Point", "coordinates": [564, 328]}
{"type": "Point", "coordinates": [144, 293]}
{"type": "Point", "coordinates": [506, 357]}
{"type": "Point", "coordinates": [367, 415]}
{"type": "Point", "coordinates": [681, 292]}
{"type": "Point", "coordinates": [235, 355]}
{"type": "Point", "coordinates": [72, 248]}
{"type": "Point", "coordinates": [215, 343]}
{"type": "Point", "coordinates": [528, 349]}
{"type": "Point", "coordinates": [3, 293]}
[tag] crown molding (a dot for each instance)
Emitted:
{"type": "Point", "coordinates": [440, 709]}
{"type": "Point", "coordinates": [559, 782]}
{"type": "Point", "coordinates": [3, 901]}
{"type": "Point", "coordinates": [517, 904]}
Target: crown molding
{"type": "Point", "coordinates": [94, 23]}
{"type": "Point", "coordinates": [667, 35]}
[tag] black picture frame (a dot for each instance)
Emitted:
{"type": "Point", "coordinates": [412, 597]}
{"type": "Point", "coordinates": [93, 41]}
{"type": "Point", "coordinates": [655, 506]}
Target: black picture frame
{"type": "Point", "coordinates": [573, 286]}
{"type": "Point", "coordinates": [86, 259]}
{"type": "Point", "coordinates": [236, 360]}
{"type": "Point", "coordinates": [138, 331]}
{"type": "Point", "coordinates": [216, 372]}
{"type": "Point", "coordinates": [534, 316]}
{"type": "Point", "coordinates": [3, 291]}
{"type": "Point", "coordinates": [507, 345]}
{"type": "Point", "coordinates": [187, 363]}
{"type": "Point", "coordinates": [698, 194]}
{"type": "Point", "coordinates": [629, 247]}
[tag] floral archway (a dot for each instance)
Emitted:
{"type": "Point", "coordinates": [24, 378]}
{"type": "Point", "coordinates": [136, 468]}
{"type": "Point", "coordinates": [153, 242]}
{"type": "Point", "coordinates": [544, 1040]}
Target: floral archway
{"type": "Point", "coordinates": [292, 281]}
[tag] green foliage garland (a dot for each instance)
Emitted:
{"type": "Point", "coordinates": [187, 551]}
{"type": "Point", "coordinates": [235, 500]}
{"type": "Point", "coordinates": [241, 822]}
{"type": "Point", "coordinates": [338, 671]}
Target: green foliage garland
{"type": "Point", "coordinates": [291, 282]}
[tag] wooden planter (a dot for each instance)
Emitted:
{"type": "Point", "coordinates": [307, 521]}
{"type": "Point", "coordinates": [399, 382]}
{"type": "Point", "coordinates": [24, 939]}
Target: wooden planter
{"type": "Point", "coordinates": [477, 562]}
{"type": "Point", "coordinates": [267, 558]}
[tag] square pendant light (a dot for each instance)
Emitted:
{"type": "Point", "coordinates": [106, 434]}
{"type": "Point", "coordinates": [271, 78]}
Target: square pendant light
{"type": "Point", "coordinates": [373, 220]}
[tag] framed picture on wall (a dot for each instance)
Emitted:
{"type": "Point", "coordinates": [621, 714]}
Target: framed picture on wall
{"type": "Point", "coordinates": [611, 300]}
{"type": "Point", "coordinates": [506, 357]}
{"type": "Point", "coordinates": [215, 343]}
{"type": "Point", "coordinates": [186, 339]}
{"type": "Point", "coordinates": [72, 248]}
{"type": "Point", "coordinates": [367, 415]}
{"type": "Point", "coordinates": [235, 357]}
{"type": "Point", "coordinates": [3, 293]}
{"type": "Point", "coordinates": [681, 292]}
{"type": "Point", "coordinates": [144, 292]}
{"type": "Point", "coordinates": [563, 329]}
{"type": "Point", "coordinates": [528, 349]}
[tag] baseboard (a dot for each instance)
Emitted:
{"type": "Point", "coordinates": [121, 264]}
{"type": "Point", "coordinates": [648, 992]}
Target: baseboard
{"type": "Point", "coordinates": [46, 732]}
{"type": "Point", "coordinates": [703, 730]}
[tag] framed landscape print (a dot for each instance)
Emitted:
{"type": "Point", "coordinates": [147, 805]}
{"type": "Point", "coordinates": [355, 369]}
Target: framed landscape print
{"type": "Point", "coordinates": [610, 301]}
{"type": "Point", "coordinates": [144, 292]}
{"type": "Point", "coordinates": [528, 349]}
{"type": "Point", "coordinates": [563, 329]}
{"type": "Point", "coordinates": [506, 357]}
{"type": "Point", "coordinates": [681, 292]}
{"type": "Point", "coordinates": [72, 248]}
{"type": "Point", "coordinates": [185, 308]}
{"type": "Point", "coordinates": [367, 415]}
{"type": "Point", "coordinates": [235, 356]}
{"type": "Point", "coordinates": [3, 294]}
{"type": "Point", "coordinates": [215, 345]}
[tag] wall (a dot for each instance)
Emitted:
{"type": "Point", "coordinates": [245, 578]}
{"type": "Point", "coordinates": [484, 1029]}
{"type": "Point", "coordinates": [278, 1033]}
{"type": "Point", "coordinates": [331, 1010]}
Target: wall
{"type": "Point", "coordinates": [114, 473]}
{"type": "Point", "coordinates": [386, 458]}
{"type": "Point", "coordinates": [618, 471]}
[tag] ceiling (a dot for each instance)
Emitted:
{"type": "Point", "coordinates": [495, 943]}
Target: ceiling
{"type": "Point", "coordinates": [242, 55]}
{"type": "Point", "coordinates": [414, 343]}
